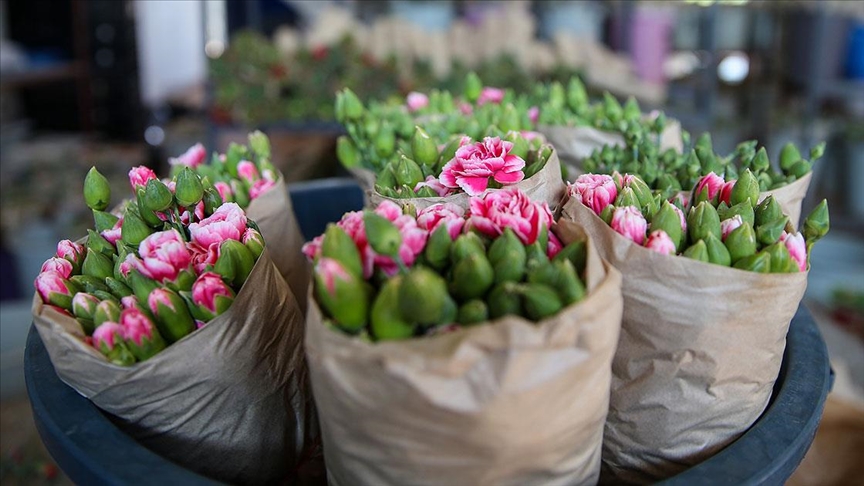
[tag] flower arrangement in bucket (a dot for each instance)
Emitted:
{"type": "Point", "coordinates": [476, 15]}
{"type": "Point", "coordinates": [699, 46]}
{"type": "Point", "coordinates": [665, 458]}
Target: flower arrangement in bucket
{"type": "Point", "coordinates": [172, 262]}
{"type": "Point", "coordinates": [445, 327]}
{"type": "Point", "coordinates": [709, 292]}
{"type": "Point", "coordinates": [173, 303]}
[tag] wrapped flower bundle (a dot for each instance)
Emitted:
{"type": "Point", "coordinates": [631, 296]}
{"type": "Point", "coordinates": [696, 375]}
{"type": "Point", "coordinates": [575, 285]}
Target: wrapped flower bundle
{"type": "Point", "coordinates": [724, 225]}
{"type": "Point", "coordinates": [438, 334]}
{"type": "Point", "coordinates": [244, 175]}
{"type": "Point", "coordinates": [173, 304]}
{"type": "Point", "coordinates": [709, 292]}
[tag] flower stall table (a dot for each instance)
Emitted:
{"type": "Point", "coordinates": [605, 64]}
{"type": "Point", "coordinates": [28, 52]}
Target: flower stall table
{"type": "Point", "coordinates": [91, 449]}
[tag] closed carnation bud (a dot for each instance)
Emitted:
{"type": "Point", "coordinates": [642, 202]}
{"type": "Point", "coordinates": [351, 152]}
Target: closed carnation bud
{"type": "Point", "coordinates": [248, 172]}
{"type": "Point", "coordinates": [702, 220]}
{"type": "Point", "coordinates": [466, 244]}
{"type": "Point", "coordinates": [569, 287]}
{"type": "Point", "coordinates": [423, 296]}
{"type": "Point", "coordinates": [108, 339]}
{"type": "Point", "coordinates": [698, 251]}
{"type": "Point", "coordinates": [746, 188]}
{"type": "Point", "coordinates": [157, 196]}
{"type": "Point", "coordinates": [504, 300]}
{"type": "Point", "coordinates": [351, 105]}
{"type": "Point", "coordinates": [797, 247]}
{"type": "Point", "coordinates": [73, 252]}
{"type": "Point", "coordinates": [472, 312]}
{"type": "Point", "coordinates": [540, 301]}
{"type": "Point", "coordinates": [343, 296]}
{"type": "Point", "coordinates": [55, 290]}
{"type": "Point", "coordinates": [212, 201]}
{"type": "Point", "coordinates": [241, 194]}
{"type": "Point", "coordinates": [254, 242]}
{"type": "Point", "coordinates": [473, 87]}
{"type": "Point", "coordinates": [758, 262]}
{"type": "Point", "coordinates": [626, 197]}
{"type": "Point", "coordinates": [437, 251]}
{"type": "Point", "coordinates": [407, 172]}
{"type": "Point", "coordinates": [718, 254]}
{"type": "Point", "coordinates": [97, 265]}
{"type": "Point", "coordinates": [741, 242]}
{"type": "Point", "coordinates": [767, 210]}
{"type": "Point", "coordinates": [210, 296]}
{"type": "Point", "coordinates": [629, 222]}
{"type": "Point", "coordinates": [472, 277]}
{"type": "Point", "coordinates": [134, 229]}
{"type": "Point", "coordinates": [173, 318]}
{"type": "Point", "coordinates": [423, 148]}
{"type": "Point", "coordinates": [669, 220]}
{"type": "Point", "coordinates": [235, 262]}
{"type": "Point", "coordinates": [770, 231]}
{"type": "Point", "coordinates": [97, 243]}
{"type": "Point", "coordinates": [760, 161]}
{"type": "Point", "coordinates": [744, 210]}
{"type": "Point", "coordinates": [386, 320]}
{"type": "Point", "coordinates": [61, 266]}
{"type": "Point", "coordinates": [383, 235]}
{"type": "Point", "coordinates": [189, 189]}
{"type": "Point", "coordinates": [660, 242]}
{"type": "Point", "coordinates": [708, 188]}
{"type": "Point", "coordinates": [789, 155]}
{"type": "Point", "coordinates": [97, 191]}
{"type": "Point", "coordinates": [260, 144]}
{"type": "Point", "coordinates": [347, 152]}
{"type": "Point", "coordinates": [508, 257]}
{"type": "Point", "coordinates": [140, 334]}
{"type": "Point", "coordinates": [106, 311]}
{"type": "Point", "coordinates": [781, 260]}
{"type": "Point", "coordinates": [729, 225]}
{"type": "Point", "coordinates": [84, 305]}
{"type": "Point", "coordinates": [817, 223]}
{"type": "Point", "coordinates": [385, 141]}
{"type": "Point", "coordinates": [338, 245]}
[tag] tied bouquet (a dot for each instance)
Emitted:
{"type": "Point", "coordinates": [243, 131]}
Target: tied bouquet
{"type": "Point", "coordinates": [433, 335]}
{"type": "Point", "coordinates": [245, 175]}
{"type": "Point", "coordinates": [170, 263]}
{"type": "Point", "coordinates": [709, 292]}
{"type": "Point", "coordinates": [724, 225]}
{"type": "Point", "coordinates": [172, 303]}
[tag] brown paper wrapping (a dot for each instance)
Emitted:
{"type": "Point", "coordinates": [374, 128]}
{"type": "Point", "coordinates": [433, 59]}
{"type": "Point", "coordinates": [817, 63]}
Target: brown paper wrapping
{"type": "Point", "coordinates": [700, 348]}
{"type": "Point", "coordinates": [230, 400]}
{"type": "Point", "coordinates": [577, 143]}
{"type": "Point", "coordinates": [505, 403]}
{"type": "Point", "coordinates": [365, 178]}
{"type": "Point", "coordinates": [274, 214]}
{"type": "Point", "coordinates": [546, 185]}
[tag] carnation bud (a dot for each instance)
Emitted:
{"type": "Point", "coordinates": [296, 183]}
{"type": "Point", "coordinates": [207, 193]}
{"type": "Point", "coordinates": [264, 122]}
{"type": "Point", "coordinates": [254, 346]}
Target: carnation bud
{"type": "Point", "coordinates": [817, 223]}
{"type": "Point", "coordinates": [789, 155]}
{"type": "Point", "coordinates": [189, 189]}
{"type": "Point", "coordinates": [118, 288]}
{"type": "Point", "coordinates": [173, 318]}
{"type": "Point", "coordinates": [508, 257]}
{"type": "Point", "coordinates": [351, 105]}
{"type": "Point", "coordinates": [472, 277]}
{"type": "Point", "coordinates": [108, 339]}
{"type": "Point", "coordinates": [504, 300]}
{"type": "Point", "coordinates": [347, 152]}
{"type": "Point", "coordinates": [386, 320]}
{"type": "Point", "coordinates": [742, 209]}
{"type": "Point", "coordinates": [781, 259]}
{"type": "Point", "coordinates": [698, 251]}
{"type": "Point", "coordinates": [157, 196]}
{"type": "Point", "coordinates": [760, 162]}
{"type": "Point", "coordinates": [718, 254]}
{"type": "Point", "coordinates": [758, 262]}
{"type": "Point", "coordinates": [437, 251]}
{"type": "Point", "coordinates": [97, 191]}
{"type": "Point", "coordinates": [140, 334]}
{"type": "Point", "coordinates": [473, 87]}
{"type": "Point", "coordinates": [466, 244]}
{"type": "Point", "coordinates": [383, 235]}
{"type": "Point", "coordinates": [702, 220]}
{"type": "Point", "coordinates": [235, 262]}
{"type": "Point", "coordinates": [260, 144]}
{"type": "Point", "coordinates": [747, 187]}
{"type": "Point", "coordinates": [668, 220]}
{"type": "Point", "coordinates": [254, 242]}
{"type": "Point", "coordinates": [134, 229]}
{"type": "Point", "coordinates": [106, 311]}
{"type": "Point", "coordinates": [767, 210]}
{"type": "Point", "coordinates": [385, 141]}
{"type": "Point", "coordinates": [96, 243]}
{"type": "Point", "coordinates": [104, 221]}
{"type": "Point", "coordinates": [423, 148]}
{"type": "Point", "coordinates": [338, 245]}
{"type": "Point", "coordinates": [84, 305]}
{"type": "Point", "coordinates": [741, 242]}
{"type": "Point", "coordinates": [770, 231]}
{"type": "Point", "coordinates": [407, 172]}
{"type": "Point", "coordinates": [343, 296]}
{"type": "Point", "coordinates": [540, 301]}
{"type": "Point", "coordinates": [97, 265]}
{"type": "Point", "coordinates": [423, 296]}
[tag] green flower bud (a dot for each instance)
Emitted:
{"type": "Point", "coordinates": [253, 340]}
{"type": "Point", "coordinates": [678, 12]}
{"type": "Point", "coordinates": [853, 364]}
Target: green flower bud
{"type": "Point", "coordinates": [96, 243]}
{"type": "Point", "coordinates": [577, 253]}
{"type": "Point", "coordinates": [426, 191]}
{"type": "Point", "coordinates": [758, 262]}
{"type": "Point", "coordinates": [212, 201]}
{"type": "Point", "coordinates": [408, 172]}
{"type": "Point", "coordinates": [717, 252]}
{"type": "Point", "coordinates": [569, 287]}
{"type": "Point", "coordinates": [473, 312]}
{"type": "Point", "coordinates": [385, 141]}
{"type": "Point", "coordinates": [134, 229]}
{"type": "Point", "coordinates": [789, 155]}
{"type": "Point", "coordinates": [241, 194]}
{"type": "Point", "coordinates": [465, 245]}
{"type": "Point", "coordinates": [626, 197]}
{"type": "Point", "coordinates": [97, 265]}
{"type": "Point", "coordinates": [106, 311]}
{"type": "Point", "coordinates": [97, 192]}
{"type": "Point", "coordinates": [343, 296]}
{"type": "Point", "coordinates": [541, 301]}
{"type": "Point", "coordinates": [141, 286]}
{"type": "Point", "coordinates": [817, 152]}
{"type": "Point", "coordinates": [743, 209]}
{"type": "Point", "coordinates": [387, 322]}
{"type": "Point", "coordinates": [613, 110]}
{"type": "Point", "coordinates": [260, 144]}
{"type": "Point", "coordinates": [188, 190]}
{"type": "Point", "coordinates": [745, 188]}
{"type": "Point", "coordinates": [631, 109]}
{"type": "Point", "coordinates": [351, 105]}
{"type": "Point", "coordinates": [235, 262]}
{"type": "Point", "coordinates": [104, 221]}
{"type": "Point", "coordinates": [741, 242]}
{"type": "Point", "coordinates": [423, 296]}
{"type": "Point", "coordinates": [173, 319]}
{"type": "Point", "coordinates": [704, 144]}
{"type": "Point", "coordinates": [437, 251]}
{"type": "Point", "coordinates": [84, 305]}
{"type": "Point", "coordinates": [472, 277]}
{"type": "Point", "coordinates": [340, 247]}
{"type": "Point", "coordinates": [118, 288]}
{"type": "Point", "coordinates": [386, 178]}
{"type": "Point", "coordinates": [799, 169]}
{"type": "Point", "coordinates": [577, 97]}
{"type": "Point", "coordinates": [520, 145]}
{"type": "Point", "coordinates": [817, 223]}
{"type": "Point", "coordinates": [383, 235]}
{"type": "Point", "coordinates": [771, 231]}
{"type": "Point", "coordinates": [768, 210]}
{"type": "Point", "coordinates": [781, 259]}
{"type": "Point", "coordinates": [760, 161]}
{"type": "Point", "coordinates": [504, 300]}
{"type": "Point", "coordinates": [703, 220]}
{"type": "Point", "coordinates": [423, 148]}
{"type": "Point", "coordinates": [347, 152]}
{"type": "Point", "coordinates": [698, 251]}
{"type": "Point", "coordinates": [89, 283]}
{"type": "Point", "coordinates": [157, 196]}
{"type": "Point", "coordinates": [668, 220]}
{"type": "Point", "coordinates": [508, 257]}
{"type": "Point", "coordinates": [473, 87]}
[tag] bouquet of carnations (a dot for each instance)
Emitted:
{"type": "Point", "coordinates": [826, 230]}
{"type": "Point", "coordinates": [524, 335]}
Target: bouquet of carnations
{"type": "Point", "coordinates": [473, 339]}
{"type": "Point", "coordinates": [173, 304]}
{"type": "Point", "coordinates": [671, 172]}
{"type": "Point", "coordinates": [709, 292]}
{"type": "Point", "coordinates": [245, 175]}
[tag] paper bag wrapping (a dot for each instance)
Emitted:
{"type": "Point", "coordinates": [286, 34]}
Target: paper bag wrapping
{"type": "Point", "coordinates": [546, 185]}
{"type": "Point", "coordinates": [230, 400]}
{"type": "Point", "coordinates": [577, 143]}
{"type": "Point", "coordinates": [700, 348]}
{"type": "Point", "coordinates": [274, 214]}
{"type": "Point", "coordinates": [365, 178]}
{"type": "Point", "coordinates": [509, 402]}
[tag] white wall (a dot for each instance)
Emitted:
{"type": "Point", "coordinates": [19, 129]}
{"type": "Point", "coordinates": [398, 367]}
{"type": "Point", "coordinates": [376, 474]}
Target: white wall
{"type": "Point", "coordinates": [170, 47]}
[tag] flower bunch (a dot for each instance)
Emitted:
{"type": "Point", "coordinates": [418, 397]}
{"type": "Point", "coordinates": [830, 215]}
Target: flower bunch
{"type": "Point", "coordinates": [671, 172]}
{"type": "Point", "coordinates": [166, 263]}
{"type": "Point", "coordinates": [240, 175]}
{"type": "Point", "coordinates": [395, 274]}
{"type": "Point", "coordinates": [725, 223]}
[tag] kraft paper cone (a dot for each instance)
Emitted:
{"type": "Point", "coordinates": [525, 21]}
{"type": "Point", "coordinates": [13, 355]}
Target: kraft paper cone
{"type": "Point", "coordinates": [700, 348]}
{"type": "Point", "coordinates": [274, 214]}
{"type": "Point", "coordinates": [230, 400]}
{"type": "Point", "coordinates": [577, 143]}
{"type": "Point", "coordinates": [508, 402]}
{"type": "Point", "coordinates": [546, 185]}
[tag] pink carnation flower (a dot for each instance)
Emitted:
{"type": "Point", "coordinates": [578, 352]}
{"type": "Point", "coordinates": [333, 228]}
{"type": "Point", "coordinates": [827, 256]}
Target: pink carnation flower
{"type": "Point", "coordinates": [490, 95]}
{"type": "Point", "coordinates": [433, 183]}
{"type": "Point", "coordinates": [509, 208]}
{"type": "Point", "coordinates": [193, 157]}
{"type": "Point", "coordinates": [629, 222]}
{"type": "Point", "coordinates": [450, 215]}
{"type": "Point", "coordinates": [594, 190]}
{"type": "Point", "coordinates": [474, 164]}
{"type": "Point", "coordinates": [416, 101]}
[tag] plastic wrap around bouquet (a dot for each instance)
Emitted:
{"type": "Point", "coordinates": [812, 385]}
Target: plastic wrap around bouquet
{"type": "Point", "coordinates": [461, 347]}
{"type": "Point", "coordinates": [708, 298]}
{"type": "Point", "coordinates": [175, 320]}
{"type": "Point", "coordinates": [245, 175]}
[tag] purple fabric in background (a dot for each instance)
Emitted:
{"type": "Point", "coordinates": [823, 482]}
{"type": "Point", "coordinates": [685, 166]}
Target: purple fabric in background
{"type": "Point", "coordinates": [651, 41]}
